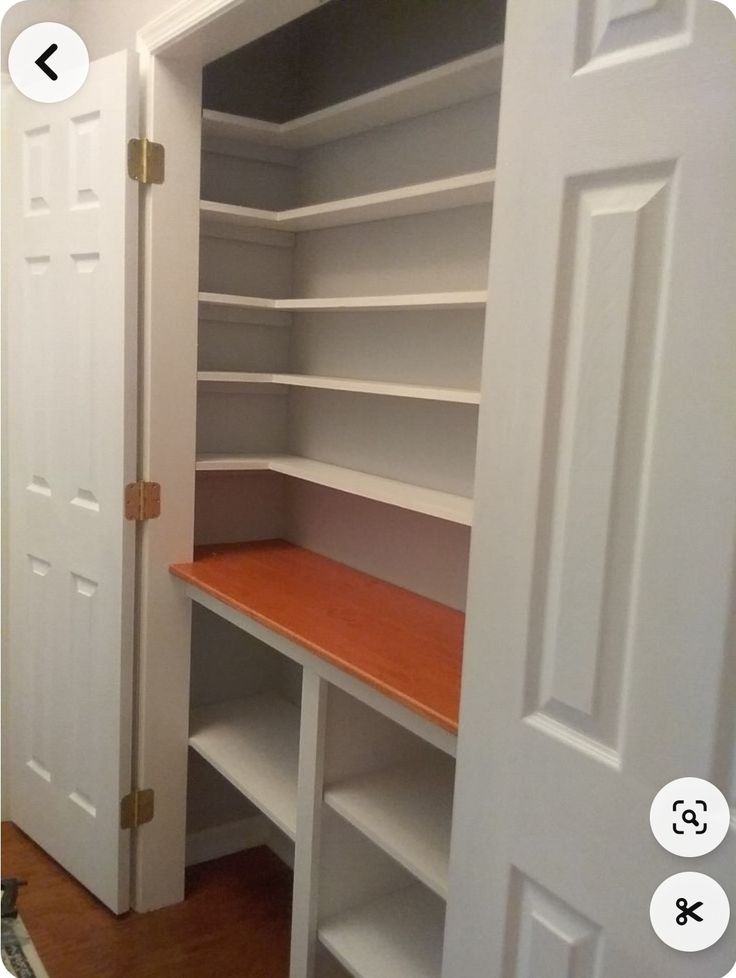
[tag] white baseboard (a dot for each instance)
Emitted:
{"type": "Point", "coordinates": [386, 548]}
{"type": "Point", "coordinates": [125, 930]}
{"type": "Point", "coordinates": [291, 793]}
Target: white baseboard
{"type": "Point", "coordinates": [223, 840]}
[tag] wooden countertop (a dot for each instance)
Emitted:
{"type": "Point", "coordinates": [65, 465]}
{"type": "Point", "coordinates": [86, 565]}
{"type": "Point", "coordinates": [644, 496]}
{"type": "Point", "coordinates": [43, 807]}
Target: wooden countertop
{"type": "Point", "coordinates": [404, 645]}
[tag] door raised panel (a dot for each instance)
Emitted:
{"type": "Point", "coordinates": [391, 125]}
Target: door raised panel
{"type": "Point", "coordinates": [37, 171]}
{"type": "Point", "coordinates": [612, 30]}
{"type": "Point", "coordinates": [600, 405]}
{"type": "Point", "coordinates": [547, 937]}
{"type": "Point", "coordinates": [38, 747]}
{"type": "Point", "coordinates": [84, 161]}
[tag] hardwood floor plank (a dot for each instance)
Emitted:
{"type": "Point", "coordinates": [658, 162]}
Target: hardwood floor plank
{"type": "Point", "coordinates": [234, 923]}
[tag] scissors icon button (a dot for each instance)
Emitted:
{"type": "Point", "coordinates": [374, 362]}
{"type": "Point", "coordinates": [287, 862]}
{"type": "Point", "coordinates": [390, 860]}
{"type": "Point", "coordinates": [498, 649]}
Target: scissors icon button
{"type": "Point", "coordinates": [688, 913]}
{"type": "Point", "coordinates": [694, 899]}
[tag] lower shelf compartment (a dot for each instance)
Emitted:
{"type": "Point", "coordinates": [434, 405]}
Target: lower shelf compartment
{"type": "Point", "coordinates": [254, 743]}
{"type": "Point", "coordinates": [398, 936]}
{"type": "Point", "coordinates": [407, 811]}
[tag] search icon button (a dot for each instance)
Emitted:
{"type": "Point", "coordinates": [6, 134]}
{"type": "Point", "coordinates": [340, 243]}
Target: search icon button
{"type": "Point", "coordinates": [690, 817]}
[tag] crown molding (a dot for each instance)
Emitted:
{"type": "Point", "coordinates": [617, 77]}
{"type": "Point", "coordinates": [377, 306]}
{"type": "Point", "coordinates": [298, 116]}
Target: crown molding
{"type": "Point", "coordinates": [180, 21]}
{"type": "Point", "coordinates": [217, 22]}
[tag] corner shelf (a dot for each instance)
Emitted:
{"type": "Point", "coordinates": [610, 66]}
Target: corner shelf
{"type": "Point", "coordinates": [406, 646]}
{"type": "Point", "coordinates": [430, 502]}
{"type": "Point", "coordinates": [421, 198]}
{"type": "Point", "coordinates": [418, 300]}
{"type": "Point", "coordinates": [452, 395]}
{"type": "Point", "coordinates": [254, 743]}
{"type": "Point", "coordinates": [398, 936]}
{"type": "Point", "coordinates": [465, 78]}
{"type": "Point", "coordinates": [407, 811]}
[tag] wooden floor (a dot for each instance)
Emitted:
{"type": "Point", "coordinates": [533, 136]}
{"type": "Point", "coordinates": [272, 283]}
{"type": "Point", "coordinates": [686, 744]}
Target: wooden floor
{"type": "Point", "coordinates": [234, 923]}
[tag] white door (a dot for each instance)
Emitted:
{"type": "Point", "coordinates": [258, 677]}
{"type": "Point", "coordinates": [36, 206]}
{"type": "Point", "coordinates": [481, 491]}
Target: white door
{"type": "Point", "coordinates": [70, 258]}
{"type": "Point", "coordinates": [603, 547]}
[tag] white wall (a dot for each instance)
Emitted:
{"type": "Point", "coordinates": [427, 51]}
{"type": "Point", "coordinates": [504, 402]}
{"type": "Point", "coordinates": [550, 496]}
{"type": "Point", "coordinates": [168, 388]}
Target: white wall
{"type": "Point", "coordinates": [109, 25]}
{"type": "Point", "coordinates": [105, 25]}
{"type": "Point", "coordinates": [29, 12]}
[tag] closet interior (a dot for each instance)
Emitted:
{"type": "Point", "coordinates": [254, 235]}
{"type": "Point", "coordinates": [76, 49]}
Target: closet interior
{"type": "Point", "coordinates": [347, 193]}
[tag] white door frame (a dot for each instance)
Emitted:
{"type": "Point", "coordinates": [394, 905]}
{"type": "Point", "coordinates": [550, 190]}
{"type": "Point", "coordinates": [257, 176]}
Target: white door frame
{"type": "Point", "coordinates": [173, 49]}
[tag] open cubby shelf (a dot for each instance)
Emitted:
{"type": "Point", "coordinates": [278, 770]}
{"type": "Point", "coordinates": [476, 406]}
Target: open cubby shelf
{"type": "Point", "coordinates": [407, 811]}
{"type": "Point", "coordinates": [418, 499]}
{"type": "Point", "coordinates": [421, 198]}
{"type": "Point", "coordinates": [404, 645]}
{"type": "Point", "coordinates": [254, 743]}
{"type": "Point", "coordinates": [452, 395]}
{"type": "Point", "coordinates": [396, 936]}
{"type": "Point", "coordinates": [465, 78]}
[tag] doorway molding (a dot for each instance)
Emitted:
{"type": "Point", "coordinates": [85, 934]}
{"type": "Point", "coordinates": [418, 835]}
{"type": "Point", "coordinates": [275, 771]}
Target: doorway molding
{"type": "Point", "coordinates": [172, 50]}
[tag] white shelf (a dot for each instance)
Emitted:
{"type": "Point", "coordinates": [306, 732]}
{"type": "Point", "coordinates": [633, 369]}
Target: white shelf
{"type": "Point", "coordinates": [418, 300]}
{"type": "Point", "coordinates": [452, 395]}
{"type": "Point", "coordinates": [215, 462]}
{"type": "Point", "coordinates": [431, 502]}
{"type": "Point", "coordinates": [398, 936]}
{"type": "Point", "coordinates": [420, 198]}
{"type": "Point", "coordinates": [254, 743]}
{"type": "Point", "coordinates": [466, 78]}
{"type": "Point", "coordinates": [407, 811]}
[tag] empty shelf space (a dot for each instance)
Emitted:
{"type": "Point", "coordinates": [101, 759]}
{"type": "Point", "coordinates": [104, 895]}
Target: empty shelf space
{"type": "Point", "coordinates": [407, 811]}
{"type": "Point", "coordinates": [254, 743]}
{"type": "Point", "coordinates": [404, 645]}
{"type": "Point", "coordinates": [419, 300]}
{"type": "Point", "coordinates": [420, 198]}
{"type": "Point", "coordinates": [469, 77]}
{"type": "Point", "coordinates": [431, 502]}
{"type": "Point", "coordinates": [398, 936]}
{"type": "Point", "coordinates": [453, 395]}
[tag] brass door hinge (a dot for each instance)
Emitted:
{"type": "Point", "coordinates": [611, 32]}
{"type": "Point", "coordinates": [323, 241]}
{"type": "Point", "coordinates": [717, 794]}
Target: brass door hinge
{"type": "Point", "coordinates": [146, 161]}
{"type": "Point", "coordinates": [142, 501]}
{"type": "Point", "coordinates": [136, 808]}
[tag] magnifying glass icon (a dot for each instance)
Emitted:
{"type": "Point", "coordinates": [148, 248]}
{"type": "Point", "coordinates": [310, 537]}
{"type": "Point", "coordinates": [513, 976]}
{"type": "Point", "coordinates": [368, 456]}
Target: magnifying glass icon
{"type": "Point", "coordinates": [690, 818]}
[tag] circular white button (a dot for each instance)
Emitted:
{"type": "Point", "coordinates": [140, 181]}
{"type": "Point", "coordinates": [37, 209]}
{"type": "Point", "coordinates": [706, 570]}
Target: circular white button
{"type": "Point", "coordinates": [690, 817]}
{"type": "Point", "coordinates": [689, 912]}
{"type": "Point", "coordinates": [48, 62]}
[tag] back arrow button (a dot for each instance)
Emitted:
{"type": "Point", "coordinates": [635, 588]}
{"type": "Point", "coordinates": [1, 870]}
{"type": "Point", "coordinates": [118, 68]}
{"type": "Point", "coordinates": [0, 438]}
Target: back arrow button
{"type": "Point", "coordinates": [41, 62]}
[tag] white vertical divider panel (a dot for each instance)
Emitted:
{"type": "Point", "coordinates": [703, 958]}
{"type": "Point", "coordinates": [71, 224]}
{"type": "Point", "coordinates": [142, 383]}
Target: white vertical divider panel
{"type": "Point", "coordinates": [70, 244]}
{"type": "Point", "coordinates": [601, 577]}
{"type": "Point", "coordinates": [168, 409]}
{"type": "Point", "coordinates": [308, 825]}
